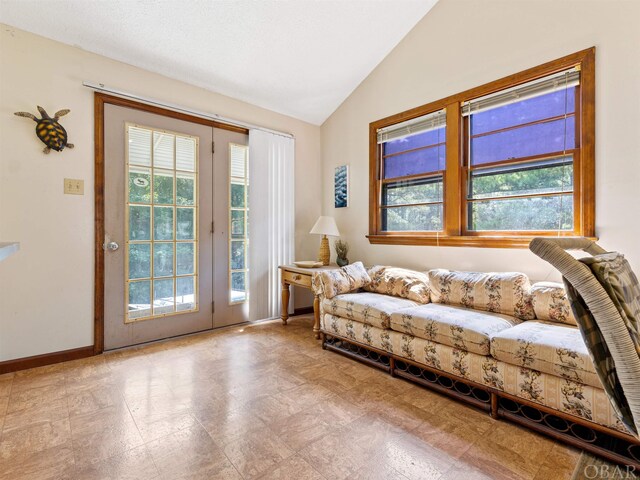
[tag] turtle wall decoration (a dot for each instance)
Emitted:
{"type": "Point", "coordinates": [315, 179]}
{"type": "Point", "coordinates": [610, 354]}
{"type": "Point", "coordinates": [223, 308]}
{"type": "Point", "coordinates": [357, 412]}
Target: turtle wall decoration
{"type": "Point", "coordinates": [48, 130]}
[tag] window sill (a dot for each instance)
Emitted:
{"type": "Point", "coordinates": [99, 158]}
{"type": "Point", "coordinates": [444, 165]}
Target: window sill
{"type": "Point", "coordinates": [458, 241]}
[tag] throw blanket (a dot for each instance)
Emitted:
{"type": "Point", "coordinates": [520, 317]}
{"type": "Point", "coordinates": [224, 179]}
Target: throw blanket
{"type": "Point", "coordinates": [614, 273]}
{"type": "Point", "coordinates": [605, 299]}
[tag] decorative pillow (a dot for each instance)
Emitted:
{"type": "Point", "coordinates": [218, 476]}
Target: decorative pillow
{"type": "Point", "coordinates": [399, 282]}
{"type": "Point", "coordinates": [550, 302]}
{"type": "Point", "coordinates": [506, 293]}
{"type": "Point", "coordinates": [344, 280]}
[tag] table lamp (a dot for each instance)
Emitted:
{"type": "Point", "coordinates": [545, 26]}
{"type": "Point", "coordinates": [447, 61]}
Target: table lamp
{"type": "Point", "coordinates": [325, 226]}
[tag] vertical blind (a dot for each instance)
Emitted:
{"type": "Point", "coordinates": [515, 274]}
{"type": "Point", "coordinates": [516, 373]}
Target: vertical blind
{"type": "Point", "coordinates": [271, 218]}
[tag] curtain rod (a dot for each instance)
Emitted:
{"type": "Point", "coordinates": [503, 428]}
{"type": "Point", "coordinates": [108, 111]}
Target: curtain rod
{"type": "Point", "coordinates": [100, 87]}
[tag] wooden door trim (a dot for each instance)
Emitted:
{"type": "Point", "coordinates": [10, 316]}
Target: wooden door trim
{"type": "Point", "coordinates": [98, 296]}
{"type": "Point", "coordinates": [100, 99]}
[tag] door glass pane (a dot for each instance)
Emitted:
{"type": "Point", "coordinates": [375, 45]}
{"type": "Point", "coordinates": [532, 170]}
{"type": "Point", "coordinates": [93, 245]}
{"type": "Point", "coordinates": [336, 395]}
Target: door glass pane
{"type": "Point", "coordinates": [185, 153]}
{"type": "Point", "coordinates": [163, 187]}
{"type": "Point", "coordinates": [237, 196]}
{"type": "Point", "coordinates": [185, 189]}
{"type": "Point", "coordinates": [139, 223]}
{"type": "Point", "coordinates": [238, 286]}
{"type": "Point", "coordinates": [139, 185]}
{"type": "Point", "coordinates": [139, 260]}
{"type": "Point", "coordinates": [185, 293]}
{"type": "Point", "coordinates": [185, 258]}
{"type": "Point", "coordinates": [163, 223]}
{"type": "Point", "coordinates": [237, 255]}
{"type": "Point", "coordinates": [139, 299]}
{"type": "Point", "coordinates": [163, 150]}
{"type": "Point", "coordinates": [154, 188]}
{"type": "Point", "coordinates": [139, 148]}
{"type": "Point", "coordinates": [237, 223]}
{"type": "Point", "coordinates": [186, 229]}
{"type": "Point", "coordinates": [163, 301]}
{"type": "Point", "coordinates": [162, 259]}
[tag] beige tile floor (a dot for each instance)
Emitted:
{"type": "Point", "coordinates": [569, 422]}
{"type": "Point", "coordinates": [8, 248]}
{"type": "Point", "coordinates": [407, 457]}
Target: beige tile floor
{"type": "Point", "coordinates": [263, 401]}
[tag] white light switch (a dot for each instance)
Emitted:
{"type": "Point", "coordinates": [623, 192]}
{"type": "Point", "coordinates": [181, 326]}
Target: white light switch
{"type": "Point", "coordinates": [73, 186]}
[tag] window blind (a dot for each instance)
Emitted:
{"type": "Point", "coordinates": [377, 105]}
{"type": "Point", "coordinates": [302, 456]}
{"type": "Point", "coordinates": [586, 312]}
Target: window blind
{"type": "Point", "coordinates": [238, 161]}
{"type": "Point", "coordinates": [431, 121]}
{"type": "Point", "coordinates": [551, 83]}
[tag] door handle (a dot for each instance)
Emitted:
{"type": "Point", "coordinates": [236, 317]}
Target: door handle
{"type": "Point", "coordinates": [112, 246]}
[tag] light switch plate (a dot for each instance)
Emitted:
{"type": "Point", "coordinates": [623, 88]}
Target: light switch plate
{"type": "Point", "coordinates": [73, 186]}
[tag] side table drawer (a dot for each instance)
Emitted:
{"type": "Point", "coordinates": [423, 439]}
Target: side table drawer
{"type": "Point", "coordinates": [297, 278]}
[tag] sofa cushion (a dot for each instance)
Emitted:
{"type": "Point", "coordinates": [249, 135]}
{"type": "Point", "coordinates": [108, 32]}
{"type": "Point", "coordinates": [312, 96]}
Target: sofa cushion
{"type": "Point", "coordinates": [363, 333]}
{"type": "Point", "coordinates": [342, 280]}
{"type": "Point", "coordinates": [506, 293]}
{"type": "Point", "coordinates": [549, 347]}
{"type": "Point", "coordinates": [457, 327]}
{"type": "Point", "coordinates": [550, 302]}
{"type": "Point", "coordinates": [366, 307]}
{"type": "Point", "coordinates": [399, 282]}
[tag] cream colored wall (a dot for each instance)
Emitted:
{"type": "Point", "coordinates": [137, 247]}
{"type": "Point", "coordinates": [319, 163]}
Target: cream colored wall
{"type": "Point", "coordinates": [461, 44]}
{"type": "Point", "coordinates": [46, 290]}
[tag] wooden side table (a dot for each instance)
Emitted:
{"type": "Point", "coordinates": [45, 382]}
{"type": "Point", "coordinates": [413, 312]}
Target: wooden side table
{"type": "Point", "coordinates": [300, 277]}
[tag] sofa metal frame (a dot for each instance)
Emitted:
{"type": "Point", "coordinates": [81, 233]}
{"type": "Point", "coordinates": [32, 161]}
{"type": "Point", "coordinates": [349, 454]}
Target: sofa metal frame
{"type": "Point", "coordinates": [613, 445]}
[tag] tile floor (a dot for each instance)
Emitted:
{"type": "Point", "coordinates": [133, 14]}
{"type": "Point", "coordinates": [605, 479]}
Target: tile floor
{"type": "Point", "coordinates": [263, 401]}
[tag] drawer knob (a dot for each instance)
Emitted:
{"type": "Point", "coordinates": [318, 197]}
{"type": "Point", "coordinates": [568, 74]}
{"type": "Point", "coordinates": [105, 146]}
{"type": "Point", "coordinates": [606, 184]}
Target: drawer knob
{"type": "Point", "coordinates": [297, 277]}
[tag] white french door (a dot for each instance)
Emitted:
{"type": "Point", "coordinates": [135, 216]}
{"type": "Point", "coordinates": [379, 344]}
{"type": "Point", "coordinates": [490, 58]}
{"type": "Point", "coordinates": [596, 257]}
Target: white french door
{"type": "Point", "coordinates": [167, 224]}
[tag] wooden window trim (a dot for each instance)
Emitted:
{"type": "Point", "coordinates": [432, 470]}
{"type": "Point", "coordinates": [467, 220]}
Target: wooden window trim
{"type": "Point", "coordinates": [454, 231]}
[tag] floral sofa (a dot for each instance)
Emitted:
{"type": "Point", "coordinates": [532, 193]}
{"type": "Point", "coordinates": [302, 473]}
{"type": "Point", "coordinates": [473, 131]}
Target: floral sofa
{"type": "Point", "coordinates": [493, 333]}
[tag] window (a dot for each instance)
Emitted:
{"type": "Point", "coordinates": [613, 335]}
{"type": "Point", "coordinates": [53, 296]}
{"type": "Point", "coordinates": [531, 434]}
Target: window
{"type": "Point", "coordinates": [412, 168]}
{"type": "Point", "coordinates": [492, 166]}
{"type": "Point", "coordinates": [238, 222]}
{"type": "Point", "coordinates": [160, 224]}
{"type": "Point", "coordinates": [521, 145]}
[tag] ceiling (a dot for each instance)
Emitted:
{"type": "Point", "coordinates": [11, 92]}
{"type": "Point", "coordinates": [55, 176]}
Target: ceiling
{"type": "Point", "coordinates": [297, 57]}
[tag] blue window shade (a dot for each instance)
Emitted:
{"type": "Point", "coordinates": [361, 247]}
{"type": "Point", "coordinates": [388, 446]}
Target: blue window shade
{"type": "Point", "coordinates": [527, 141]}
{"type": "Point", "coordinates": [533, 109]}
{"type": "Point", "coordinates": [426, 160]}
{"type": "Point", "coordinates": [423, 139]}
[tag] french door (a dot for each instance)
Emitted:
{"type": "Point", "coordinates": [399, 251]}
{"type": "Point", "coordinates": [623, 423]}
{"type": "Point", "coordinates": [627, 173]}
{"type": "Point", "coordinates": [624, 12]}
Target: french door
{"type": "Point", "coordinates": [169, 227]}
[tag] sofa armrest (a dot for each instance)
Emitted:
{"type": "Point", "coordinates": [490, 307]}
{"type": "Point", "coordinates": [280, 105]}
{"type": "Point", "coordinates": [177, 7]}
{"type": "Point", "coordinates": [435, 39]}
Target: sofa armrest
{"type": "Point", "coordinates": [317, 287]}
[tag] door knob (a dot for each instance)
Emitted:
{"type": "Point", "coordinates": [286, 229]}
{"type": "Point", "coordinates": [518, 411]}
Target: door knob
{"type": "Point", "coordinates": [112, 246]}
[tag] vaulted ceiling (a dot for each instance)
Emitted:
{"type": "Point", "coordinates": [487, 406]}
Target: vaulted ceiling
{"type": "Point", "coordinates": [297, 57]}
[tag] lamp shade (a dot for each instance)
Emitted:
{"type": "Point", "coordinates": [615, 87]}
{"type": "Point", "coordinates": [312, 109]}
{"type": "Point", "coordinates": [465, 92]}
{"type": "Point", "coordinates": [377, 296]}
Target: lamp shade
{"type": "Point", "coordinates": [325, 226]}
